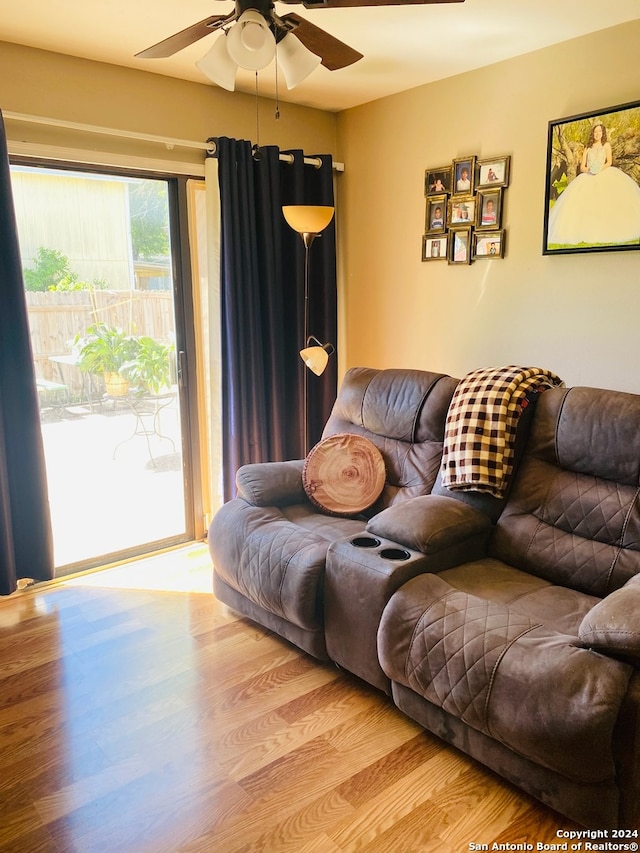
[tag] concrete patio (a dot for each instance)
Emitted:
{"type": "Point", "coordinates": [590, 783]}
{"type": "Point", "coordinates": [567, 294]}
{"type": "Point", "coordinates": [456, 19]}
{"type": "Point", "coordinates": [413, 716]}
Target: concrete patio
{"type": "Point", "coordinates": [112, 487]}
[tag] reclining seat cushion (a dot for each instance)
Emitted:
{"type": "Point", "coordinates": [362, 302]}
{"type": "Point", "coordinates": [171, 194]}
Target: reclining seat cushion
{"type": "Point", "coordinates": [275, 556]}
{"type": "Point", "coordinates": [559, 608]}
{"type": "Point", "coordinates": [573, 516]}
{"type": "Point", "coordinates": [529, 687]}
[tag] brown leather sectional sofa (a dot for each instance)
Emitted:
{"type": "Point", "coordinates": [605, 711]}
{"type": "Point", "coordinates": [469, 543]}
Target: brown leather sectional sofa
{"type": "Point", "coordinates": [510, 628]}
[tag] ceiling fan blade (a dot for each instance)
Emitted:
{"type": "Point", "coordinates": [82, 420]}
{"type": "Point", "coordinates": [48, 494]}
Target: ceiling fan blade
{"type": "Point", "coordinates": [344, 4]}
{"type": "Point", "coordinates": [333, 53]}
{"type": "Point", "coordinates": [178, 41]}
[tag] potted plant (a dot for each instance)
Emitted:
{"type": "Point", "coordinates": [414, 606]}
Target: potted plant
{"type": "Point", "coordinates": [105, 350]}
{"type": "Point", "coordinates": [149, 370]}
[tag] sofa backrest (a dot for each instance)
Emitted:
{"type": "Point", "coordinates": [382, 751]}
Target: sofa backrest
{"type": "Point", "coordinates": [573, 514]}
{"type": "Point", "coordinates": [403, 412]}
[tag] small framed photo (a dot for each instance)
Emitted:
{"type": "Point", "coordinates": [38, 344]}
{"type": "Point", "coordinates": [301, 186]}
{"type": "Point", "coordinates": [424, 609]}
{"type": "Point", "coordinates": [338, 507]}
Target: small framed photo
{"type": "Point", "coordinates": [460, 246]}
{"type": "Point", "coordinates": [462, 211]}
{"type": "Point", "coordinates": [493, 172]}
{"type": "Point", "coordinates": [488, 244]}
{"type": "Point", "coordinates": [436, 213]}
{"type": "Point", "coordinates": [464, 175]}
{"type": "Point", "coordinates": [437, 181]}
{"type": "Point", "coordinates": [434, 248]}
{"type": "Point", "coordinates": [489, 208]}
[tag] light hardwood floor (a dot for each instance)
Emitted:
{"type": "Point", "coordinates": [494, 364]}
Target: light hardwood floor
{"type": "Point", "coordinates": [139, 715]}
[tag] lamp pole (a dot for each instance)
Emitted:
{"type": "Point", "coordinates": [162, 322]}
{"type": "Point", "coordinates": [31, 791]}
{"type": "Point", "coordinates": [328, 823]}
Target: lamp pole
{"type": "Point", "coordinates": [307, 238]}
{"type": "Point", "coordinates": [308, 220]}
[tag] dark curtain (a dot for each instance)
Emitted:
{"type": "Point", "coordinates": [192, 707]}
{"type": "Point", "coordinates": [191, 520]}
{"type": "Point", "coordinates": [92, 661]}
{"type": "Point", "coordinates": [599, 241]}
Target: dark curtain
{"type": "Point", "coordinates": [262, 305]}
{"type": "Point", "coordinates": [26, 544]}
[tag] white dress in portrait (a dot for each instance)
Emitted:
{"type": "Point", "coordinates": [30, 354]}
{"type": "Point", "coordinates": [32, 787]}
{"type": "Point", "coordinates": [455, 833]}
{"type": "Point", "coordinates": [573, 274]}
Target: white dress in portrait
{"type": "Point", "coordinates": [598, 206]}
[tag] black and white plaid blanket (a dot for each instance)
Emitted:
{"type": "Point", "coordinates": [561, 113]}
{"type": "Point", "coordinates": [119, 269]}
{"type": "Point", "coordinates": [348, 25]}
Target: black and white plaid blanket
{"type": "Point", "coordinates": [481, 426]}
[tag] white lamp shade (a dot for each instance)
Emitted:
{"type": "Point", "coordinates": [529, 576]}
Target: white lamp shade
{"type": "Point", "coordinates": [295, 60]}
{"type": "Point", "coordinates": [307, 218]}
{"type": "Point", "coordinates": [250, 42]}
{"type": "Point", "coordinates": [315, 358]}
{"type": "Point", "coordinates": [218, 65]}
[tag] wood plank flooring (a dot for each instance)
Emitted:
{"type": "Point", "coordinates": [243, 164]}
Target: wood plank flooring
{"type": "Point", "coordinates": [140, 715]}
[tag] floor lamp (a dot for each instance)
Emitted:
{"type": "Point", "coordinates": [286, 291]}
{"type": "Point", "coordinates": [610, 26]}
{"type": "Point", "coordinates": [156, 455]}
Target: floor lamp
{"type": "Point", "coordinates": [309, 220]}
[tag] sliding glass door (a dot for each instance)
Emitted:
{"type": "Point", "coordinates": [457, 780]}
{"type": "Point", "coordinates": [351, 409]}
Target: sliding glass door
{"type": "Point", "coordinates": [102, 259]}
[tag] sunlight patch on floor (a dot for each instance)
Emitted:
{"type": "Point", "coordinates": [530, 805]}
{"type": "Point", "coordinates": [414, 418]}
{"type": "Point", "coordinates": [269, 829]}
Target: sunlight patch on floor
{"type": "Point", "coordinates": [186, 569]}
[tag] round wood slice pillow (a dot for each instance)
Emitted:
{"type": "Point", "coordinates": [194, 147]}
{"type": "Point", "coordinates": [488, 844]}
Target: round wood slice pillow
{"type": "Point", "coordinates": [344, 474]}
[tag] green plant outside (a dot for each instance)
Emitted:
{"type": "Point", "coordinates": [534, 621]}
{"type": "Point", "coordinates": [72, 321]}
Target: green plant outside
{"type": "Point", "coordinates": [142, 360]}
{"type": "Point", "coordinates": [104, 349]}
{"type": "Point", "coordinates": [50, 267]}
{"type": "Point", "coordinates": [71, 283]}
{"type": "Point", "coordinates": [51, 272]}
{"type": "Point", "coordinates": [149, 219]}
{"type": "Point", "coordinates": [149, 370]}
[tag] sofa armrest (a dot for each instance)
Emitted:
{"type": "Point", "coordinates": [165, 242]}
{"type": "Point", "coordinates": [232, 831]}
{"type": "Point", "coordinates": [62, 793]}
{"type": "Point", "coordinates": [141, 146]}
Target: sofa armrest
{"type": "Point", "coordinates": [271, 483]}
{"type": "Point", "coordinates": [431, 524]}
{"type": "Point", "coordinates": [611, 626]}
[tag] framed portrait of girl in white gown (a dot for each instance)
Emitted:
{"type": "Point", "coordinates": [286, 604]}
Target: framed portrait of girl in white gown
{"type": "Point", "coordinates": [592, 198]}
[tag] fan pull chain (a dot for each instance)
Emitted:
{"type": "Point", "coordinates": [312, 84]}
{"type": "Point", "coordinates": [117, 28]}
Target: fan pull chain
{"type": "Point", "coordinates": [277, 112]}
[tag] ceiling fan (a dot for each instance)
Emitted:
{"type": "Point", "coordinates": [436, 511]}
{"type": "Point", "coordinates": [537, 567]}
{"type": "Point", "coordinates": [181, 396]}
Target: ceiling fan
{"type": "Point", "coordinates": [252, 31]}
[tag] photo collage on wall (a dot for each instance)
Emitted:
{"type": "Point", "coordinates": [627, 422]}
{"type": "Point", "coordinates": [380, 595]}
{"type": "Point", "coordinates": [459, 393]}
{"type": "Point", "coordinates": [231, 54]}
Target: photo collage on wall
{"type": "Point", "coordinates": [463, 215]}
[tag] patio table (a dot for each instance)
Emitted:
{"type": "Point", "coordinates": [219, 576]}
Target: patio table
{"type": "Point", "coordinates": [146, 409]}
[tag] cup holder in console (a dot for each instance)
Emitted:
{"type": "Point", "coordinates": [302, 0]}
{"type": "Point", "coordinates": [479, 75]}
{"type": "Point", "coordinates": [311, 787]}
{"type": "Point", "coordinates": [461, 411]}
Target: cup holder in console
{"type": "Point", "coordinates": [395, 554]}
{"type": "Point", "coordinates": [386, 553]}
{"type": "Point", "coordinates": [365, 542]}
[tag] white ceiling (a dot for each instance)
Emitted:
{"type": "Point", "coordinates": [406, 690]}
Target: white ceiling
{"type": "Point", "coordinates": [403, 46]}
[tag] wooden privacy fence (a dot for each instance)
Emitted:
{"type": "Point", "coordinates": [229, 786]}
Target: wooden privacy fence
{"type": "Point", "coordinates": [56, 318]}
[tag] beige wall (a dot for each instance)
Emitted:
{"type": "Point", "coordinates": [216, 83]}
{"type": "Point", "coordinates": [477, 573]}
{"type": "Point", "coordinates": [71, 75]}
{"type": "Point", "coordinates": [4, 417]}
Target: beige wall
{"type": "Point", "coordinates": [41, 83]}
{"type": "Point", "coordinates": [575, 314]}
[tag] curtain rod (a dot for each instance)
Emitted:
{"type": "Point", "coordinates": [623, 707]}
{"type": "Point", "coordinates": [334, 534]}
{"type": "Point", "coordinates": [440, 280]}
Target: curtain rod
{"type": "Point", "coordinates": [285, 158]}
{"type": "Point", "coordinates": [208, 147]}
{"type": "Point", "coordinates": [106, 131]}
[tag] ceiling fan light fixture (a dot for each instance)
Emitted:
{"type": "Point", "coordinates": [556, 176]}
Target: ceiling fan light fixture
{"type": "Point", "coordinates": [250, 42]}
{"type": "Point", "coordinates": [295, 60]}
{"type": "Point", "coordinates": [218, 66]}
